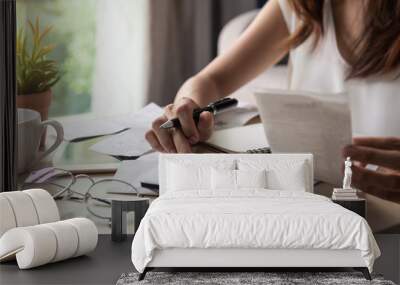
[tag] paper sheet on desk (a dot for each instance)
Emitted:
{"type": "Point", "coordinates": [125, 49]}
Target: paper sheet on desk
{"type": "Point", "coordinates": [143, 117]}
{"type": "Point", "coordinates": [86, 128]}
{"type": "Point", "coordinates": [132, 142]}
{"type": "Point", "coordinates": [90, 128]}
{"type": "Point", "coordinates": [136, 171]}
{"type": "Point", "coordinates": [311, 123]}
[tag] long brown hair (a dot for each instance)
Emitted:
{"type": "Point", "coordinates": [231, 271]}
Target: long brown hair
{"type": "Point", "coordinates": [377, 52]}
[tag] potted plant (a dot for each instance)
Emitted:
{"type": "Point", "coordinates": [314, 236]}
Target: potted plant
{"type": "Point", "coordinates": [36, 74]}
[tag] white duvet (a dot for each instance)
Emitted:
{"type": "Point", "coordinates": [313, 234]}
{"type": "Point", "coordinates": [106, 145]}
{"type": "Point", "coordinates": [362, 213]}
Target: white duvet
{"type": "Point", "coordinates": [250, 219]}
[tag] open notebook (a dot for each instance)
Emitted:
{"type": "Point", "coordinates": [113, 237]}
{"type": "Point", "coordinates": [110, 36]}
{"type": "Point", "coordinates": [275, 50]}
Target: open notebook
{"type": "Point", "coordinates": [249, 138]}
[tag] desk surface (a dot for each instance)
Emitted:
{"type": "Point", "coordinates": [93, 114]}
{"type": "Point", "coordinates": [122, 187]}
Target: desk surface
{"type": "Point", "coordinates": [102, 266]}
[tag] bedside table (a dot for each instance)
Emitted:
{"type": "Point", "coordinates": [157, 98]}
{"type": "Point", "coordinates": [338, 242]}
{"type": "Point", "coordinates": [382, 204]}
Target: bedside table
{"type": "Point", "coordinates": [357, 206]}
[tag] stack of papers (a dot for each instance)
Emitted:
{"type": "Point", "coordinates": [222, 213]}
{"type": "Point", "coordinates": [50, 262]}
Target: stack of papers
{"type": "Point", "coordinates": [344, 194]}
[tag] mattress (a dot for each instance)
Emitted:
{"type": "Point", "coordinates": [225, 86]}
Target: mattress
{"type": "Point", "coordinates": [250, 219]}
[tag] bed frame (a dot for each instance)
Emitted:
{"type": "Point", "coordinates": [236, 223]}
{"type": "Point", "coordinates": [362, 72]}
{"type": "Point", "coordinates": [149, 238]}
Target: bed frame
{"type": "Point", "coordinates": [240, 259]}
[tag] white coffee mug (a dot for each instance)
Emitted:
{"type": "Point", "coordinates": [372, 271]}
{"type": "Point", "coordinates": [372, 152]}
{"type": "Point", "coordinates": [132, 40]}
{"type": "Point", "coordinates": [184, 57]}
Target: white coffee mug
{"type": "Point", "coordinates": [30, 130]}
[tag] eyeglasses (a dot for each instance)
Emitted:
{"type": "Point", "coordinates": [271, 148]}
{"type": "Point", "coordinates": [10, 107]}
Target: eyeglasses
{"type": "Point", "coordinates": [48, 176]}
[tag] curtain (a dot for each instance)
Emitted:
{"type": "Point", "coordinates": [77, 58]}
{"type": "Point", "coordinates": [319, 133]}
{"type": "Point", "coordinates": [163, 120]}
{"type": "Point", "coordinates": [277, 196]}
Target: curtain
{"type": "Point", "coordinates": [146, 49]}
{"type": "Point", "coordinates": [120, 75]}
{"type": "Point", "coordinates": [8, 127]}
{"type": "Point", "coordinates": [183, 39]}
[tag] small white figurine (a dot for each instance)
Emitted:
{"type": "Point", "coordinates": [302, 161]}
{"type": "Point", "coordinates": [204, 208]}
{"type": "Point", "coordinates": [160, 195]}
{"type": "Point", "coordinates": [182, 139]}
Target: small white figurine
{"type": "Point", "coordinates": [346, 193]}
{"type": "Point", "coordinates": [347, 174]}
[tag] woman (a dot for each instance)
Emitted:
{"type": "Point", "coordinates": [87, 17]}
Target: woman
{"type": "Point", "coordinates": [334, 45]}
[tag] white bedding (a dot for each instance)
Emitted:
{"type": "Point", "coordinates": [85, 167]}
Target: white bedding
{"type": "Point", "coordinates": [250, 219]}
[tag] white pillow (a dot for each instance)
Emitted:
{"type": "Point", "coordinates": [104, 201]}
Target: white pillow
{"type": "Point", "coordinates": [186, 175]}
{"type": "Point", "coordinates": [226, 179]}
{"type": "Point", "coordinates": [281, 175]}
{"type": "Point", "coordinates": [251, 178]}
{"type": "Point", "coordinates": [223, 179]}
{"type": "Point", "coordinates": [182, 177]}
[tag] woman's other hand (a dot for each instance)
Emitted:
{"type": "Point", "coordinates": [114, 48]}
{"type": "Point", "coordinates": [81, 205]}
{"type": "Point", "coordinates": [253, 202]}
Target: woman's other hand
{"type": "Point", "coordinates": [383, 152]}
{"type": "Point", "coordinates": [180, 140]}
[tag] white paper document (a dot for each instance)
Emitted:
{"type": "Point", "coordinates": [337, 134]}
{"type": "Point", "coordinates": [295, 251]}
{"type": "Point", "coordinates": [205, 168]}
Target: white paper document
{"type": "Point", "coordinates": [87, 128]}
{"type": "Point", "coordinates": [132, 142]}
{"type": "Point", "coordinates": [235, 117]}
{"type": "Point", "coordinates": [143, 117]}
{"type": "Point", "coordinates": [299, 122]}
{"type": "Point", "coordinates": [135, 172]}
{"type": "Point", "coordinates": [92, 127]}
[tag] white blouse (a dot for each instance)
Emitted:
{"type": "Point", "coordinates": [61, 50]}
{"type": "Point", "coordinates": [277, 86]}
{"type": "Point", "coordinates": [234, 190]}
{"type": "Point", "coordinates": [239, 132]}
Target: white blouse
{"type": "Point", "coordinates": [374, 102]}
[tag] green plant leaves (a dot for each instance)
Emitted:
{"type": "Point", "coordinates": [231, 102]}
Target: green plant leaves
{"type": "Point", "coordinates": [35, 73]}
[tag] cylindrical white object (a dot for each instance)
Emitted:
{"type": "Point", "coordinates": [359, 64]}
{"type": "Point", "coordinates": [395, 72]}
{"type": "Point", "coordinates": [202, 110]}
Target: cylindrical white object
{"type": "Point", "coordinates": [45, 205]}
{"type": "Point", "coordinates": [87, 234]}
{"type": "Point", "coordinates": [67, 239]}
{"type": "Point", "coordinates": [40, 244]}
{"type": "Point", "coordinates": [7, 217]}
{"type": "Point", "coordinates": [23, 207]}
{"type": "Point", "coordinates": [34, 245]}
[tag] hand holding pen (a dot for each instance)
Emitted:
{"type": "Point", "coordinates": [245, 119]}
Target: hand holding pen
{"type": "Point", "coordinates": [184, 124]}
{"type": "Point", "coordinates": [214, 108]}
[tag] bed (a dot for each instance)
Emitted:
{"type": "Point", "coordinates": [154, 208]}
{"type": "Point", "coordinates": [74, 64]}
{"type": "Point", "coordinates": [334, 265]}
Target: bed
{"type": "Point", "coordinates": [246, 211]}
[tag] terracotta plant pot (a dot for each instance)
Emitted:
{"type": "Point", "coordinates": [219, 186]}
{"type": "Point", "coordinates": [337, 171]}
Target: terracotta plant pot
{"type": "Point", "coordinates": [39, 102]}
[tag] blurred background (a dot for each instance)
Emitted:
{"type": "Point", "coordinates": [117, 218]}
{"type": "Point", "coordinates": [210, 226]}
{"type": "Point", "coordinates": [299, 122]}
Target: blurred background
{"type": "Point", "coordinates": [115, 56]}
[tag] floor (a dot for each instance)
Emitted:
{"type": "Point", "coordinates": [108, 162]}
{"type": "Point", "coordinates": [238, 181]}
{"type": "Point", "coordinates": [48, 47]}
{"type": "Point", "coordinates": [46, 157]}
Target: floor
{"type": "Point", "coordinates": [103, 266]}
{"type": "Point", "coordinates": [110, 260]}
{"type": "Point", "coordinates": [388, 264]}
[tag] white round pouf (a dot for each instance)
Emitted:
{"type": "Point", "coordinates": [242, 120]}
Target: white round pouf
{"type": "Point", "coordinates": [45, 205]}
{"type": "Point", "coordinates": [7, 217]}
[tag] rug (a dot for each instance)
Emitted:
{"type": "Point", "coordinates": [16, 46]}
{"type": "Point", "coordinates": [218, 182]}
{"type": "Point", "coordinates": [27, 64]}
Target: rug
{"type": "Point", "coordinates": [244, 278]}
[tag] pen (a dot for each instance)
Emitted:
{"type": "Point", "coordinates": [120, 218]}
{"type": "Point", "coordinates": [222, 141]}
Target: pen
{"type": "Point", "coordinates": [214, 108]}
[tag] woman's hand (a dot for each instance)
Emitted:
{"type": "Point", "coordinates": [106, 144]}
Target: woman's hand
{"type": "Point", "coordinates": [180, 140]}
{"type": "Point", "coordinates": [383, 152]}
